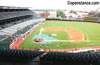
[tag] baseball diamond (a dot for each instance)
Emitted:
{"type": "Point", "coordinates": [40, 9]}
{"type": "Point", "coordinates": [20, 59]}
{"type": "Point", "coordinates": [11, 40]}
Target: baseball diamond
{"type": "Point", "coordinates": [82, 35]}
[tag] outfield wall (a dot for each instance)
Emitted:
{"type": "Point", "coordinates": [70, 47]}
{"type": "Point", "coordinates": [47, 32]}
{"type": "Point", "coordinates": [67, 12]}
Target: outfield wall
{"type": "Point", "coordinates": [86, 19]}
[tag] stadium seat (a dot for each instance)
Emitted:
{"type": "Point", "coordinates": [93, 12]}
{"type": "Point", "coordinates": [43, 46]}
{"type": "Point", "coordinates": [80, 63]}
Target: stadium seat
{"type": "Point", "coordinates": [64, 57]}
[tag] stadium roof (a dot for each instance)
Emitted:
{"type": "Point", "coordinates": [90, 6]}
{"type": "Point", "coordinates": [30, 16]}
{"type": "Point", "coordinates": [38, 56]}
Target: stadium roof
{"type": "Point", "coordinates": [12, 7]}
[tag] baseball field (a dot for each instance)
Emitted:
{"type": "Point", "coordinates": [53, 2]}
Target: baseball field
{"type": "Point", "coordinates": [64, 35]}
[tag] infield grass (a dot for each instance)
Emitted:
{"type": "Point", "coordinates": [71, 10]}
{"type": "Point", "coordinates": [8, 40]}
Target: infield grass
{"type": "Point", "coordinates": [58, 34]}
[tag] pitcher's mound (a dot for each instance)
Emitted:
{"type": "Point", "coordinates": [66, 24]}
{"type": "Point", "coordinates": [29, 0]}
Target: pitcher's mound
{"type": "Point", "coordinates": [38, 39]}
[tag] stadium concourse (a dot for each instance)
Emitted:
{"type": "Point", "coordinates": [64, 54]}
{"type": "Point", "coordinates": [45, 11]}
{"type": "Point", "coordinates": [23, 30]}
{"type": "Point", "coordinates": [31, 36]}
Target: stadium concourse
{"type": "Point", "coordinates": [19, 22]}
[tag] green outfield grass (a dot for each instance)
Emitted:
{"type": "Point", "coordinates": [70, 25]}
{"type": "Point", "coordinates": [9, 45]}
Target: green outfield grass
{"type": "Point", "coordinates": [90, 30]}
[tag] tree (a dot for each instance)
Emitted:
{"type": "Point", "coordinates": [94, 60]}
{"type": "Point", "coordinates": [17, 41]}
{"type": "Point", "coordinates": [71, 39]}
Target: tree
{"type": "Point", "coordinates": [92, 12]}
{"type": "Point", "coordinates": [70, 16]}
{"type": "Point", "coordinates": [71, 11]}
{"type": "Point", "coordinates": [60, 13]}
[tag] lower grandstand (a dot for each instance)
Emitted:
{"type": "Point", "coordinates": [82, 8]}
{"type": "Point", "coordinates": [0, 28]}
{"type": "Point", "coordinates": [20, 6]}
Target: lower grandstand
{"type": "Point", "coordinates": [15, 23]}
{"type": "Point", "coordinates": [15, 30]}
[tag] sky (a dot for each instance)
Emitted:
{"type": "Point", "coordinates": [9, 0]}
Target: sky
{"type": "Point", "coordinates": [49, 4]}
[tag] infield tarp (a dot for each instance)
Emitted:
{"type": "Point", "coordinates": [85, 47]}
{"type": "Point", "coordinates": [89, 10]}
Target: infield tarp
{"type": "Point", "coordinates": [44, 37]}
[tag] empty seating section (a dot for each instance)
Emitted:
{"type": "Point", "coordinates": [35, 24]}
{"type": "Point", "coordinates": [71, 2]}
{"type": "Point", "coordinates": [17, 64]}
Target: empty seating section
{"type": "Point", "coordinates": [15, 21]}
{"type": "Point", "coordinates": [17, 29]}
{"type": "Point", "coordinates": [18, 54]}
{"type": "Point", "coordinates": [5, 43]}
{"type": "Point", "coordinates": [2, 36]}
{"type": "Point", "coordinates": [22, 31]}
{"type": "Point", "coordinates": [15, 14]}
{"type": "Point", "coordinates": [51, 57]}
{"type": "Point", "coordinates": [71, 57]}
{"type": "Point", "coordinates": [13, 29]}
